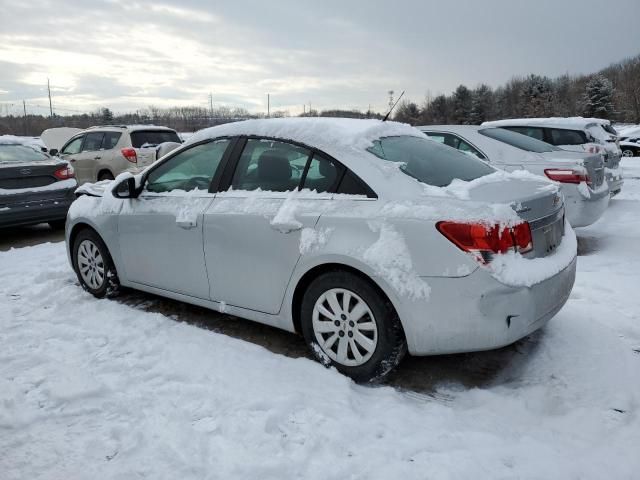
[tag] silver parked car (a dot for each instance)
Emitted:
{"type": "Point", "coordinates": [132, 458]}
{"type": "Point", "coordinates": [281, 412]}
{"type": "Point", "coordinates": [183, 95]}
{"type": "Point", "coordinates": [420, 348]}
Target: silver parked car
{"type": "Point", "coordinates": [581, 175]}
{"type": "Point", "coordinates": [364, 236]}
{"type": "Point", "coordinates": [101, 153]}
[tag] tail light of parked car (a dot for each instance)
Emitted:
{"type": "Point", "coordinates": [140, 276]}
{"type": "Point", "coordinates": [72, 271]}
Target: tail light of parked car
{"type": "Point", "coordinates": [567, 175]}
{"type": "Point", "coordinates": [130, 154]}
{"type": "Point", "coordinates": [64, 173]}
{"type": "Point", "coordinates": [592, 148]}
{"type": "Point", "coordinates": [485, 240]}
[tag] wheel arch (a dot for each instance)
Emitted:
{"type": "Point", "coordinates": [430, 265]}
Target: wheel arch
{"type": "Point", "coordinates": [314, 272]}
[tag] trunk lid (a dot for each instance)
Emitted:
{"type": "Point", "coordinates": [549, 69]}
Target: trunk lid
{"type": "Point", "coordinates": [26, 181]}
{"type": "Point", "coordinates": [537, 202]}
{"type": "Point", "coordinates": [592, 163]}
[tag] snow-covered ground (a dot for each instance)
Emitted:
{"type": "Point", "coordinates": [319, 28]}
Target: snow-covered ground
{"type": "Point", "coordinates": [99, 389]}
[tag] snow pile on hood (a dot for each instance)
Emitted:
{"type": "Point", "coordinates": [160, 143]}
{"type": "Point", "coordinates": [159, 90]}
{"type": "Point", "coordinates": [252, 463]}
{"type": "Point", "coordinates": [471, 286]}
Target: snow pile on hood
{"type": "Point", "coordinates": [332, 135]}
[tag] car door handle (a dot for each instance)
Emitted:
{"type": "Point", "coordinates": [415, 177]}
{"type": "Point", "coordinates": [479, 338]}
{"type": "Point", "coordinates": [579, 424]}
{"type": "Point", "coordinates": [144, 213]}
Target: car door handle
{"type": "Point", "coordinates": [187, 224]}
{"type": "Point", "coordinates": [286, 227]}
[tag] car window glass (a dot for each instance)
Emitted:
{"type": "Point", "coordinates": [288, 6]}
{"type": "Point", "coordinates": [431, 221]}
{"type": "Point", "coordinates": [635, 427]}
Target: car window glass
{"type": "Point", "coordinates": [110, 140]}
{"type": "Point", "coordinates": [438, 137]}
{"type": "Point", "coordinates": [269, 165]}
{"type": "Point", "coordinates": [188, 170]}
{"type": "Point", "coordinates": [152, 138]}
{"type": "Point", "coordinates": [533, 132]}
{"type": "Point", "coordinates": [93, 142]}
{"type": "Point", "coordinates": [561, 136]}
{"type": "Point", "coordinates": [352, 185]}
{"type": "Point", "coordinates": [73, 146]}
{"type": "Point", "coordinates": [517, 140]}
{"type": "Point", "coordinates": [429, 162]}
{"type": "Point", "coordinates": [322, 175]}
{"type": "Point", "coordinates": [20, 153]}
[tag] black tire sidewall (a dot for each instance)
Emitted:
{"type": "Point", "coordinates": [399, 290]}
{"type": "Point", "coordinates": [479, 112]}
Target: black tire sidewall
{"type": "Point", "coordinates": [391, 345]}
{"type": "Point", "coordinates": [110, 284]}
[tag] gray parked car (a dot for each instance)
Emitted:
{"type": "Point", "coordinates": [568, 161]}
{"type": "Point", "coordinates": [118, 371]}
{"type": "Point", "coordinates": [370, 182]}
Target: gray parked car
{"type": "Point", "coordinates": [581, 175]}
{"type": "Point", "coordinates": [364, 236]}
{"type": "Point", "coordinates": [34, 187]}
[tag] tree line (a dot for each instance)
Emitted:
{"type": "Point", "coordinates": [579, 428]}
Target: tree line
{"type": "Point", "coordinates": [612, 93]}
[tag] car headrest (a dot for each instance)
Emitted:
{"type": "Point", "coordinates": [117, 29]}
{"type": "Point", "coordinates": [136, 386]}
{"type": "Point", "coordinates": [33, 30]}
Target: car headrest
{"type": "Point", "coordinates": [273, 167]}
{"type": "Point", "coordinates": [327, 170]}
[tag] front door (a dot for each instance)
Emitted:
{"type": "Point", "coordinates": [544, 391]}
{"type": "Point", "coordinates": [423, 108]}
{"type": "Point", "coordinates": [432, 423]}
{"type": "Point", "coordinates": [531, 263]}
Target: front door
{"type": "Point", "coordinates": [160, 233]}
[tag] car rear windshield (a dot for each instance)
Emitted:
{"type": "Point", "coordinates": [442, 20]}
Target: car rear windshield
{"type": "Point", "coordinates": [20, 153]}
{"type": "Point", "coordinates": [428, 161]}
{"type": "Point", "coordinates": [518, 140]}
{"type": "Point", "coordinates": [153, 137]}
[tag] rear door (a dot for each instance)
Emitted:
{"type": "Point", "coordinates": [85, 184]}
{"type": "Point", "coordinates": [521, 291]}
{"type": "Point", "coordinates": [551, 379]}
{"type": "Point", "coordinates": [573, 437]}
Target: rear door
{"type": "Point", "coordinates": [252, 230]}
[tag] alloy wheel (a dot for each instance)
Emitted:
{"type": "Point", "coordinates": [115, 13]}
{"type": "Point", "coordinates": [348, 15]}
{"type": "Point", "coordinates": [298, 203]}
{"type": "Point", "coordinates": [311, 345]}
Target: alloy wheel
{"type": "Point", "coordinates": [344, 327]}
{"type": "Point", "coordinates": [627, 153]}
{"type": "Point", "coordinates": [91, 264]}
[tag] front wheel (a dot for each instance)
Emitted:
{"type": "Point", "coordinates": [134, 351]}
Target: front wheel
{"type": "Point", "coordinates": [94, 266]}
{"type": "Point", "coordinates": [348, 323]}
{"type": "Point", "coordinates": [627, 153]}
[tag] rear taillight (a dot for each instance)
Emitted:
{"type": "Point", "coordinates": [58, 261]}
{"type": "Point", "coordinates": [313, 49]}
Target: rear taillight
{"type": "Point", "coordinates": [130, 154]}
{"type": "Point", "coordinates": [566, 175]}
{"type": "Point", "coordinates": [484, 240]}
{"type": "Point", "coordinates": [64, 173]}
{"type": "Point", "coordinates": [592, 148]}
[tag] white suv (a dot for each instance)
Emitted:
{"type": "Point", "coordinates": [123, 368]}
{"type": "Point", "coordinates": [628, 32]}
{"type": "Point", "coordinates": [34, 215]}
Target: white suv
{"type": "Point", "coordinates": [101, 153]}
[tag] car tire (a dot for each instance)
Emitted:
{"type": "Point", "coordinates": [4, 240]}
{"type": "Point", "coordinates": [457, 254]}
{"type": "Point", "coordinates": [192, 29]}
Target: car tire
{"type": "Point", "coordinates": [94, 266]}
{"type": "Point", "coordinates": [57, 224]}
{"type": "Point", "coordinates": [105, 176]}
{"type": "Point", "coordinates": [365, 340]}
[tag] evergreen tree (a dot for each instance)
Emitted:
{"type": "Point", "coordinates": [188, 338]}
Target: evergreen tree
{"type": "Point", "coordinates": [481, 105]}
{"type": "Point", "coordinates": [462, 105]}
{"type": "Point", "coordinates": [598, 97]}
{"type": "Point", "coordinates": [538, 97]}
{"type": "Point", "coordinates": [407, 112]}
{"type": "Point", "coordinates": [106, 116]}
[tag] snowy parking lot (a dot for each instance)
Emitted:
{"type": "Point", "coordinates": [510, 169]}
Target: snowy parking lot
{"type": "Point", "coordinates": [145, 388]}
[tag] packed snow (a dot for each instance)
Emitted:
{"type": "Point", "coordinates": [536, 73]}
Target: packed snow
{"type": "Point", "coordinates": [99, 389]}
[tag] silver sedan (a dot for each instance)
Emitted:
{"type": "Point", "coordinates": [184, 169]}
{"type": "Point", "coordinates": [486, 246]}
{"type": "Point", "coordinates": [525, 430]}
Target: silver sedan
{"type": "Point", "coordinates": [364, 236]}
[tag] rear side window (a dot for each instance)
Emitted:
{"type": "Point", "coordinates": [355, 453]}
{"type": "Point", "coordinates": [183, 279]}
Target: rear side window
{"type": "Point", "coordinates": [73, 146]}
{"type": "Point", "coordinates": [110, 140]}
{"type": "Point", "coordinates": [517, 140]}
{"type": "Point", "coordinates": [270, 165]}
{"type": "Point", "coordinates": [561, 136]}
{"type": "Point", "coordinates": [352, 185]}
{"type": "Point", "coordinates": [533, 132]}
{"type": "Point", "coordinates": [322, 174]}
{"type": "Point", "coordinates": [151, 138]}
{"type": "Point", "coordinates": [93, 142]}
{"type": "Point", "coordinates": [429, 162]}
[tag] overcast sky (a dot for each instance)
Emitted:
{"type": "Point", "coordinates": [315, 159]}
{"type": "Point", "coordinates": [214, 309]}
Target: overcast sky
{"type": "Point", "coordinates": [130, 54]}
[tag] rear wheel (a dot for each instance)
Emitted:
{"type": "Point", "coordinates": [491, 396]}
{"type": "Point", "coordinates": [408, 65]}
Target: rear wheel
{"type": "Point", "coordinates": [94, 266]}
{"type": "Point", "coordinates": [349, 324]}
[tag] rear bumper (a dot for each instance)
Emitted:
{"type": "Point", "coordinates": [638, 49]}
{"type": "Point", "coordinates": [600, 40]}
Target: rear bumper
{"type": "Point", "coordinates": [45, 209]}
{"type": "Point", "coordinates": [479, 313]}
{"type": "Point", "coordinates": [582, 211]}
{"type": "Point", "coordinates": [615, 181]}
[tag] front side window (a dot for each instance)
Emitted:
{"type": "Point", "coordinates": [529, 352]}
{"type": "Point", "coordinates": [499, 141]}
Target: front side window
{"type": "Point", "coordinates": [429, 162]}
{"type": "Point", "coordinates": [20, 153]}
{"type": "Point", "coordinates": [190, 169]}
{"type": "Point", "coordinates": [561, 136]}
{"type": "Point", "coordinates": [73, 146]}
{"type": "Point", "coordinates": [270, 165]}
{"type": "Point", "coordinates": [93, 142]}
{"type": "Point", "coordinates": [517, 140]}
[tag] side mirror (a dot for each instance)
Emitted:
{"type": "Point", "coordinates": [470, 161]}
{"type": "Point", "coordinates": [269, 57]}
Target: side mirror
{"type": "Point", "coordinates": [53, 152]}
{"type": "Point", "coordinates": [126, 189]}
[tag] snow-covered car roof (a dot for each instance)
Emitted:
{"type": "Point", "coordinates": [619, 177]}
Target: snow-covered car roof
{"type": "Point", "coordinates": [557, 122]}
{"type": "Point", "coordinates": [130, 128]}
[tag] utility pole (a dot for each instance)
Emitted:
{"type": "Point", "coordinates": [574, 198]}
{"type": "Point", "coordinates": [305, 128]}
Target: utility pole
{"type": "Point", "coordinates": [211, 105]}
{"type": "Point", "coordinates": [268, 105]}
{"type": "Point", "coordinates": [24, 108]}
{"type": "Point", "coordinates": [50, 104]}
{"type": "Point", "coordinates": [304, 109]}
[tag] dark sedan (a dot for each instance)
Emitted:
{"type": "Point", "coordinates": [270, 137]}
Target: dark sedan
{"type": "Point", "coordinates": [34, 187]}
